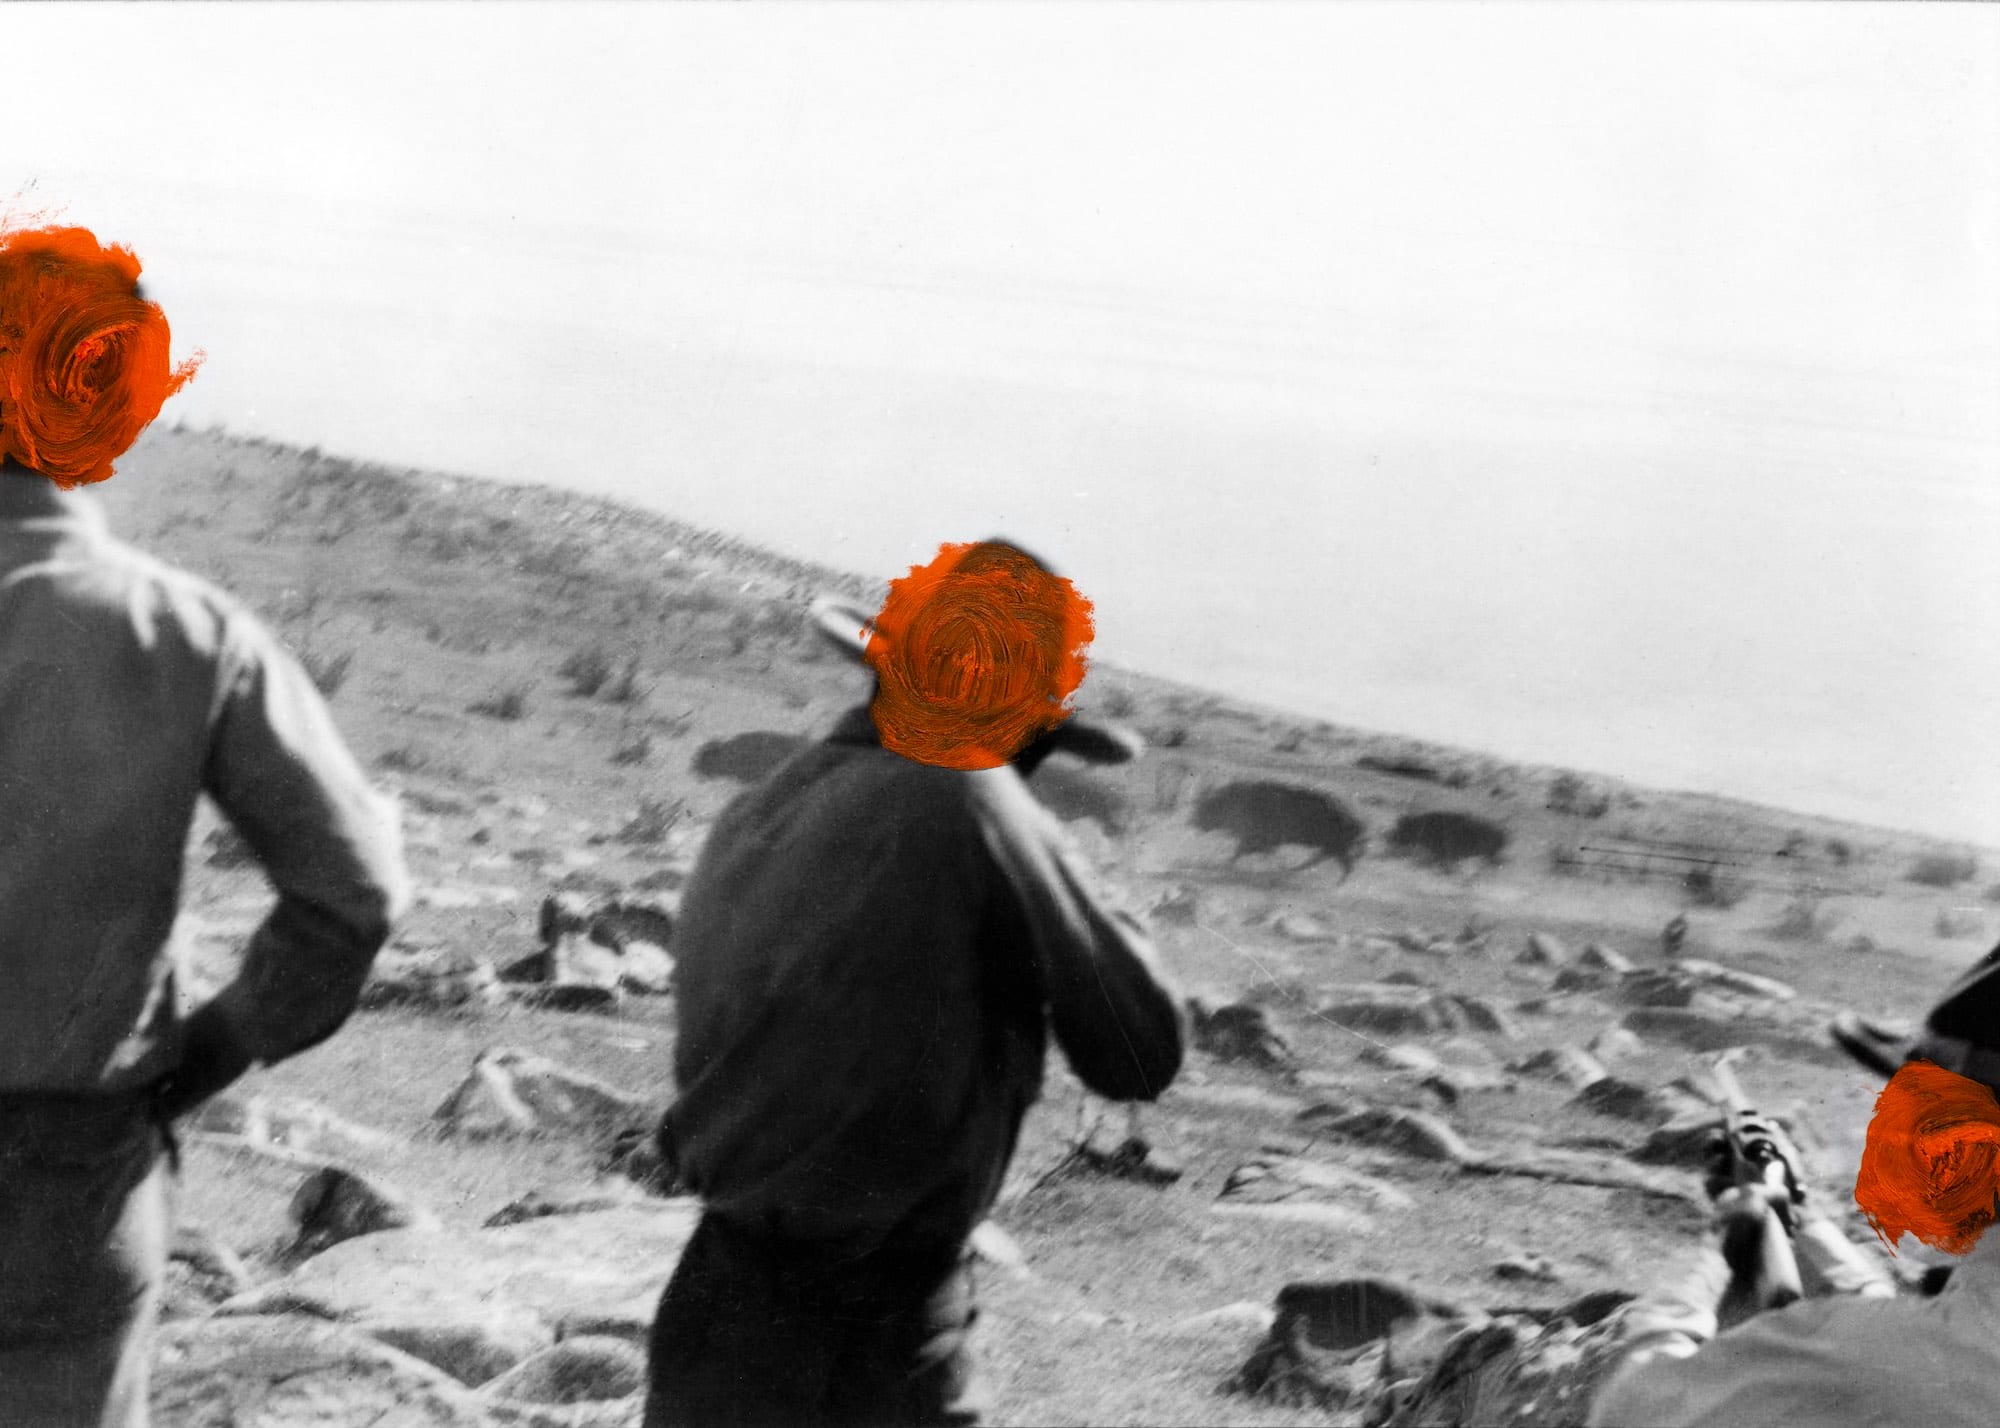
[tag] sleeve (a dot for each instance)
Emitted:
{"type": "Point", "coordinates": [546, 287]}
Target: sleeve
{"type": "Point", "coordinates": [331, 845]}
{"type": "Point", "coordinates": [1115, 1013]}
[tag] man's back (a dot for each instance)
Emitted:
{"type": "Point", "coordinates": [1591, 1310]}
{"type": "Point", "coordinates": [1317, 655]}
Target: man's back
{"type": "Point", "coordinates": [861, 1023]}
{"type": "Point", "coordinates": [126, 690]}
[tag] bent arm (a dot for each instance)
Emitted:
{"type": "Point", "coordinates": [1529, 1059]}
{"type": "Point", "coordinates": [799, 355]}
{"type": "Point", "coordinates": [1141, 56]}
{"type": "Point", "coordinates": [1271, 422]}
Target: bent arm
{"type": "Point", "coordinates": [331, 845]}
{"type": "Point", "coordinates": [1114, 1010]}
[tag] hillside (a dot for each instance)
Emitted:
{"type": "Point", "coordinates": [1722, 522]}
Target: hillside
{"type": "Point", "coordinates": [538, 673]}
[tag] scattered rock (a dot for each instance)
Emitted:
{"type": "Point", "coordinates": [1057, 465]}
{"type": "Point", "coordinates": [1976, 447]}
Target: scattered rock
{"type": "Point", "coordinates": [1514, 1370]}
{"type": "Point", "coordinates": [1133, 1158]}
{"type": "Point", "coordinates": [335, 1204]}
{"type": "Point", "coordinates": [536, 1206]}
{"type": "Point", "coordinates": [1239, 1031]}
{"type": "Point", "coordinates": [1412, 1133]}
{"type": "Point", "coordinates": [993, 1245]}
{"type": "Point", "coordinates": [1179, 905]}
{"type": "Point", "coordinates": [1682, 1141]}
{"type": "Point", "coordinates": [569, 997]}
{"type": "Point", "coordinates": [289, 1123]}
{"type": "Point", "coordinates": [1567, 1064]}
{"type": "Point", "coordinates": [291, 1371]}
{"type": "Point", "coordinates": [1543, 950]}
{"type": "Point", "coordinates": [1327, 1344]}
{"type": "Point", "coordinates": [1608, 959]}
{"type": "Point", "coordinates": [482, 1300]}
{"type": "Point", "coordinates": [1748, 984]}
{"type": "Point", "coordinates": [589, 1368]}
{"type": "Point", "coordinates": [1615, 1043]}
{"type": "Point", "coordinates": [1302, 927]}
{"type": "Point", "coordinates": [1462, 1013]}
{"type": "Point", "coordinates": [1631, 1101]}
{"type": "Point", "coordinates": [1384, 1009]}
{"type": "Point", "coordinates": [1526, 1268]}
{"type": "Point", "coordinates": [1404, 1057]}
{"type": "Point", "coordinates": [513, 1092]}
{"type": "Point", "coordinates": [1277, 1179]}
{"type": "Point", "coordinates": [202, 1272]}
{"type": "Point", "coordinates": [431, 980]}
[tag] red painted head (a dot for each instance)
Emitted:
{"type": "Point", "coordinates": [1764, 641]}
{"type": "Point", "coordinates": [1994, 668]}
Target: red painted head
{"type": "Point", "coordinates": [1931, 1167]}
{"type": "Point", "coordinates": [84, 362]}
{"type": "Point", "coordinates": [976, 655]}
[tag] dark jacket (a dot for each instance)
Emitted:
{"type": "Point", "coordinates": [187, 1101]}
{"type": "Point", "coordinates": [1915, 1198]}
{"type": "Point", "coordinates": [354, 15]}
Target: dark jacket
{"type": "Point", "coordinates": [871, 951]}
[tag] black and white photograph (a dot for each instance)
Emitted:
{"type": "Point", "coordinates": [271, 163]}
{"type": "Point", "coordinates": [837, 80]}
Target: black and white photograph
{"type": "Point", "coordinates": [1240, 713]}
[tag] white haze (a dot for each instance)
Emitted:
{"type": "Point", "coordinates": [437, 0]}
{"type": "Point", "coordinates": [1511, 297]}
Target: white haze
{"type": "Point", "coordinates": [1613, 386]}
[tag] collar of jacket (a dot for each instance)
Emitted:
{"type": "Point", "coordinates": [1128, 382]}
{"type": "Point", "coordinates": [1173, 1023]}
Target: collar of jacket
{"type": "Point", "coordinates": [30, 496]}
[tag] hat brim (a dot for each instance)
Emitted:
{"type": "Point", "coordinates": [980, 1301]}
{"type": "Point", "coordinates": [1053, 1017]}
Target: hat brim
{"type": "Point", "coordinates": [848, 628]}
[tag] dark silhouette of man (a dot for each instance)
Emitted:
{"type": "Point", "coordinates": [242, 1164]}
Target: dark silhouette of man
{"type": "Point", "coordinates": [872, 952]}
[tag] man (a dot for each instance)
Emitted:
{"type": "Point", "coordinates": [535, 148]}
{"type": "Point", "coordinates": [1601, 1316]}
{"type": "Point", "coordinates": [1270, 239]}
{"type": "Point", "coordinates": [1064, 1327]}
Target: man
{"type": "Point", "coordinates": [127, 690]}
{"type": "Point", "coordinates": [871, 948]}
{"type": "Point", "coordinates": [1854, 1355]}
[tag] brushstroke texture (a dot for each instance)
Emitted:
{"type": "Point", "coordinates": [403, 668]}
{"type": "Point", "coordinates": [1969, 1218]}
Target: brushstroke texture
{"type": "Point", "coordinates": [976, 655]}
{"type": "Point", "coordinates": [84, 359]}
{"type": "Point", "coordinates": [1929, 1167]}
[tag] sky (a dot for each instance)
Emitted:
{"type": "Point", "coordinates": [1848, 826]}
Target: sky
{"type": "Point", "coordinates": [1613, 386]}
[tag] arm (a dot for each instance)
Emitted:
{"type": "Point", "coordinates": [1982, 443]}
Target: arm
{"type": "Point", "coordinates": [1115, 1013]}
{"type": "Point", "coordinates": [331, 846]}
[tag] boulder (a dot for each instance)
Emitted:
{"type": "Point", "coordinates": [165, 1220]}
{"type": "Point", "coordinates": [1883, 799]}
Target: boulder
{"type": "Point", "coordinates": [336, 1204]}
{"type": "Point", "coordinates": [1463, 1013]}
{"type": "Point", "coordinates": [1328, 1344]}
{"type": "Point", "coordinates": [478, 1301]}
{"type": "Point", "coordinates": [1542, 950]}
{"type": "Point", "coordinates": [513, 1092]}
{"type": "Point", "coordinates": [297, 1372]}
{"type": "Point", "coordinates": [589, 1368]}
{"type": "Point", "coordinates": [1242, 1032]}
{"type": "Point", "coordinates": [1569, 1065]}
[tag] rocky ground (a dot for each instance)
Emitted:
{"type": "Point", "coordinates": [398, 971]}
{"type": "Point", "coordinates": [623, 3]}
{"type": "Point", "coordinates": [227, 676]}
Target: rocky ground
{"type": "Point", "coordinates": [1443, 1105]}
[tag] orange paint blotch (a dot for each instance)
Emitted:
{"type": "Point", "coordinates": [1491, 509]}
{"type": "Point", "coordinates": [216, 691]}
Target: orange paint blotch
{"type": "Point", "coordinates": [1931, 1167]}
{"type": "Point", "coordinates": [84, 360]}
{"type": "Point", "coordinates": [976, 656]}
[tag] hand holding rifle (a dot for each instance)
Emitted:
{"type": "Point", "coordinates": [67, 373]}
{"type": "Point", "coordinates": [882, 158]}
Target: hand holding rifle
{"type": "Point", "coordinates": [1757, 1183]}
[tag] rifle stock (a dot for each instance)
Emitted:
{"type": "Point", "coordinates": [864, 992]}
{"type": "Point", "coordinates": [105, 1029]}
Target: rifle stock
{"type": "Point", "coordinates": [1758, 1163]}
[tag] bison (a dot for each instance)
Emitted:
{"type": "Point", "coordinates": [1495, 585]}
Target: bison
{"type": "Point", "coordinates": [1073, 796]}
{"type": "Point", "coordinates": [1263, 817]}
{"type": "Point", "coordinates": [746, 758]}
{"type": "Point", "coordinates": [1444, 840]}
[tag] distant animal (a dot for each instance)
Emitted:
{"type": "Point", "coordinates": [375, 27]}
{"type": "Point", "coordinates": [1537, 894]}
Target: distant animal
{"type": "Point", "coordinates": [1264, 816]}
{"type": "Point", "coordinates": [1445, 839]}
{"type": "Point", "coordinates": [746, 758]}
{"type": "Point", "coordinates": [1673, 935]}
{"type": "Point", "coordinates": [1074, 796]}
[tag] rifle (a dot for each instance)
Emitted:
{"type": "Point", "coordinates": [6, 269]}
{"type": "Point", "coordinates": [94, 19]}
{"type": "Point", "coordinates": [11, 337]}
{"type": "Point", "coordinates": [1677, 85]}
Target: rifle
{"type": "Point", "coordinates": [1760, 1157]}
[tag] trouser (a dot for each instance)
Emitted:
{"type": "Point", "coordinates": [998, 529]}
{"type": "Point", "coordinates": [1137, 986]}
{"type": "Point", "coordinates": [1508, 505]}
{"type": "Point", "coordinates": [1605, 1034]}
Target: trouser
{"type": "Point", "coordinates": [85, 1211]}
{"type": "Point", "coordinates": [754, 1331]}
